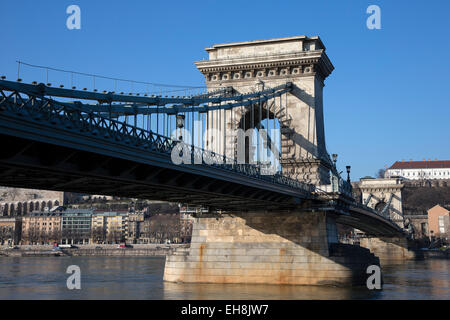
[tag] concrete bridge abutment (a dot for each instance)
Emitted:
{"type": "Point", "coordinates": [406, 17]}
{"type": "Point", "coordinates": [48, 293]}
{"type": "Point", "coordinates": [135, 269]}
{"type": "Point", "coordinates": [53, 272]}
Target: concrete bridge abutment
{"type": "Point", "coordinates": [295, 248]}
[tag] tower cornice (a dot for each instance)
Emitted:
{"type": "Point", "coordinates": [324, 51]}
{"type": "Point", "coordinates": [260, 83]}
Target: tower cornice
{"type": "Point", "coordinates": [294, 63]}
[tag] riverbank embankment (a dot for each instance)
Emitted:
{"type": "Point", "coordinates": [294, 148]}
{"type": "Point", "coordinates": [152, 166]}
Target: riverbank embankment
{"type": "Point", "coordinates": [436, 253]}
{"type": "Point", "coordinates": [90, 250]}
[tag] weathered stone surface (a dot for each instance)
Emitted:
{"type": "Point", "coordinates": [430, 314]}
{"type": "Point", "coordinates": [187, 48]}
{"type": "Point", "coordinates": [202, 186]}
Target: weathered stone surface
{"type": "Point", "coordinates": [389, 249]}
{"type": "Point", "coordinates": [379, 193]}
{"type": "Point", "coordinates": [282, 248]}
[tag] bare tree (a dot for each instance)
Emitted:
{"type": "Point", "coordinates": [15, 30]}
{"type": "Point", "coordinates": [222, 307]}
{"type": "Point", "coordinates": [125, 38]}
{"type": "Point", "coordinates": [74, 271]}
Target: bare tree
{"type": "Point", "coordinates": [73, 235]}
{"type": "Point", "coordinates": [380, 173]}
{"type": "Point", "coordinates": [54, 236]}
{"type": "Point", "coordinates": [162, 227]}
{"type": "Point", "coordinates": [186, 232]}
{"type": "Point", "coordinates": [99, 235]}
{"type": "Point", "coordinates": [33, 235]}
{"type": "Point", "coordinates": [115, 236]}
{"type": "Point", "coordinates": [6, 233]}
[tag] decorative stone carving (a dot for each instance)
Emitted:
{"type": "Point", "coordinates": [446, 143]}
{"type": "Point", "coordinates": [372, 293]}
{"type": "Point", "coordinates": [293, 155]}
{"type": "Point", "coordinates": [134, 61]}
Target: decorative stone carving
{"type": "Point", "coordinates": [238, 75]}
{"type": "Point", "coordinates": [226, 76]}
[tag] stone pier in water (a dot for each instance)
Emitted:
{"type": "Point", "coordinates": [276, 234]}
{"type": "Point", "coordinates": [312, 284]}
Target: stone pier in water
{"type": "Point", "coordinates": [390, 249]}
{"type": "Point", "coordinates": [298, 248]}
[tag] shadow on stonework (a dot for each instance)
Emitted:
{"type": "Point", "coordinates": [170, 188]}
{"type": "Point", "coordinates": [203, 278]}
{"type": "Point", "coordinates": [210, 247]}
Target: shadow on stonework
{"type": "Point", "coordinates": [308, 231]}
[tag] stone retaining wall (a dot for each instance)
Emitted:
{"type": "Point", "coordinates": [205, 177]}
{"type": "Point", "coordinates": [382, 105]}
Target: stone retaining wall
{"type": "Point", "coordinates": [87, 252]}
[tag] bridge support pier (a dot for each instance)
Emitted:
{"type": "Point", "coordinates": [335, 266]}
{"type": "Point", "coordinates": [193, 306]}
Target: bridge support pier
{"type": "Point", "coordinates": [389, 249]}
{"type": "Point", "coordinates": [298, 248]}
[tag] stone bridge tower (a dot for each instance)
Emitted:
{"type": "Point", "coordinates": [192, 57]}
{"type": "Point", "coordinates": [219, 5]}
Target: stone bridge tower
{"type": "Point", "coordinates": [385, 196]}
{"type": "Point", "coordinates": [253, 65]}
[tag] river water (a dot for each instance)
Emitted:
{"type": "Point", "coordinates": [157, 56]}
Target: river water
{"type": "Point", "coordinates": [141, 278]}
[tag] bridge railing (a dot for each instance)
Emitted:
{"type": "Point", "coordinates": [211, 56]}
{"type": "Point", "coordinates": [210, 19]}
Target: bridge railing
{"type": "Point", "coordinates": [345, 187]}
{"type": "Point", "coordinates": [381, 214]}
{"type": "Point", "coordinates": [337, 185]}
{"type": "Point", "coordinates": [68, 116]}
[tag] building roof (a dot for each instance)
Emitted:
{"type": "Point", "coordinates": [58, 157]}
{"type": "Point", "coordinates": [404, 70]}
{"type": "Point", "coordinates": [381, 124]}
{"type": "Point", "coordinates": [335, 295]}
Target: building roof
{"type": "Point", "coordinates": [436, 164]}
{"type": "Point", "coordinates": [110, 213]}
{"type": "Point", "coordinates": [438, 208]}
{"type": "Point", "coordinates": [44, 214]}
{"type": "Point", "coordinates": [252, 42]}
{"type": "Point", "coordinates": [73, 210]}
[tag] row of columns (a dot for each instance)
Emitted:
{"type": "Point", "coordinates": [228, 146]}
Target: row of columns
{"type": "Point", "coordinates": [22, 208]}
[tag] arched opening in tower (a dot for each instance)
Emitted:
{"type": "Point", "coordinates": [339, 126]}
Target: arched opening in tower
{"type": "Point", "coordinates": [262, 136]}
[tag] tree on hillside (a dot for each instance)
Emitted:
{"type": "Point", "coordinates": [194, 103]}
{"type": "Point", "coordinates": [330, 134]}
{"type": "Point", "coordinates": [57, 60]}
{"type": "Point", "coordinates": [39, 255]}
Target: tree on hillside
{"type": "Point", "coordinates": [380, 173]}
{"type": "Point", "coordinates": [424, 198]}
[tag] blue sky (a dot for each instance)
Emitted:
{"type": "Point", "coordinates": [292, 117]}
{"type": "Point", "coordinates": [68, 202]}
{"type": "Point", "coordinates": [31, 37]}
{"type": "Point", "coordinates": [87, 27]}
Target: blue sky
{"type": "Point", "coordinates": [387, 99]}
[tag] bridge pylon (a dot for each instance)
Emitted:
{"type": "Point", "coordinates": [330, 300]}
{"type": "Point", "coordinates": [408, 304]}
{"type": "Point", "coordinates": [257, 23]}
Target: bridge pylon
{"type": "Point", "coordinates": [253, 65]}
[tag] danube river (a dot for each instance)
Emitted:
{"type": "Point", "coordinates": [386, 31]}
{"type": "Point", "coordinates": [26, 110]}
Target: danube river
{"type": "Point", "coordinates": [141, 278]}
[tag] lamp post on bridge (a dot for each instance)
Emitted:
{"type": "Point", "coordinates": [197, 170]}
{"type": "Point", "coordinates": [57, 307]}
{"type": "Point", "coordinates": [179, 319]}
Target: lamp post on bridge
{"type": "Point", "coordinates": [348, 173]}
{"type": "Point", "coordinates": [180, 124]}
{"type": "Point", "coordinates": [334, 175]}
{"type": "Point", "coordinates": [334, 155]}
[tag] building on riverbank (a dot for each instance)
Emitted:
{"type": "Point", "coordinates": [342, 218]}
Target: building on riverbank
{"type": "Point", "coordinates": [439, 222]}
{"type": "Point", "coordinates": [109, 226]}
{"type": "Point", "coordinates": [76, 226]}
{"type": "Point", "coordinates": [10, 230]}
{"type": "Point", "coordinates": [135, 225]}
{"type": "Point", "coordinates": [88, 222]}
{"type": "Point", "coordinates": [420, 170]}
{"type": "Point", "coordinates": [41, 228]}
{"type": "Point", "coordinates": [187, 214]}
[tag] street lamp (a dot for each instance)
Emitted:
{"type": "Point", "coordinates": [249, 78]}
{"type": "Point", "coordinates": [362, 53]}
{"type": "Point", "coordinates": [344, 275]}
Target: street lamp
{"type": "Point", "coordinates": [180, 124]}
{"type": "Point", "coordinates": [260, 86]}
{"type": "Point", "coordinates": [334, 155]}
{"type": "Point", "coordinates": [334, 174]}
{"type": "Point", "coordinates": [180, 121]}
{"type": "Point", "coordinates": [348, 173]}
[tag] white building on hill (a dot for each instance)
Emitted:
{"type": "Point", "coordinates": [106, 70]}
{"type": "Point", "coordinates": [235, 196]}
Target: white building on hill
{"type": "Point", "coordinates": [416, 170]}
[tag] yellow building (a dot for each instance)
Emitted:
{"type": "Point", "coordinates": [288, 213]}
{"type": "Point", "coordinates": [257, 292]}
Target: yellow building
{"type": "Point", "coordinates": [109, 227]}
{"type": "Point", "coordinates": [41, 228]}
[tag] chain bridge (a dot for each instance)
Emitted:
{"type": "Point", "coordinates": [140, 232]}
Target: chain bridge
{"type": "Point", "coordinates": [250, 148]}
